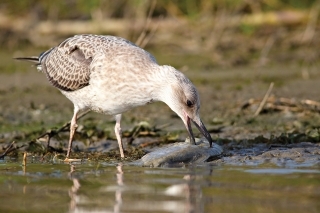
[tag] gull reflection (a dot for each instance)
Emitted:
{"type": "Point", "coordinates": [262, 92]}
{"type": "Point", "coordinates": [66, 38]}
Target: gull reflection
{"type": "Point", "coordinates": [140, 190]}
{"type": "Point", "coordinates": [144, 195]}
{"type": "Point", "coordinates": [191, 191]}
{"type": "Point", "coordinates": [118, 191]}
{"type": "Point", "coordinates": [74, 188]}
{"type": "Point", "coordinates": [77, 200]}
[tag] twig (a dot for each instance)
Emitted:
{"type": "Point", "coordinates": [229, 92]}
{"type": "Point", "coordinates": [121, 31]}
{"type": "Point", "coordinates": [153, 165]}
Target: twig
{"type": "Point", "coordinates": [51, 133]}
{"type": "Point", "coordinates": [24, 160]}
{"type": "Point", "coordinates": [266, 49]}
{"type": "Point", "coordinates": [308, 36]}
{"type": "Point", "coordinates": [150, 143]}
{"type": "Point", "coordinates": [141, 39]}
{"type": "Point", "coordinates": [264, 100]}
{"type": "Point", "coordinates": [310, 30]}
{"type": "Point", "coordinates": [7, 150]}
{"type": "Point", "coordinates": [150, 35]}
{"type": "Point", "coordinates": [282, 104]}
{"type": "Point", "coordinates": [311, 102]}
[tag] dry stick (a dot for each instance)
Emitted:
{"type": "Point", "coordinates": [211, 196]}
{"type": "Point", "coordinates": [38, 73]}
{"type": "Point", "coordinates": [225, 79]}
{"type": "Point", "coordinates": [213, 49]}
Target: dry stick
{"type": "Point", "coordinates": [310, 30]}
{"type": "Point", "coordinates": [308, 36]}
{"type": "Point", "coordinates": [150, 143]}
{"type": "Point", "coordinates": [153, 30]}
{"type": "Point", "coordinates": [142, 36]}
{"type": "Point", "coordinates": [7, 150]}
{"type": "Point", "coordinates": [264, 100]}
{"type": "Point", "coordinates": [220, 26]}
{"type": "Point", "coordinates": [24, 160]}
{"type": "Point", "coordinates": [50, 133]}
{"type": "Point", "coordinates": [150, 35]}
{"type": "Point", "coordinates": [266, 49]}
{"type": "Point", "coordinates": [311, 102]}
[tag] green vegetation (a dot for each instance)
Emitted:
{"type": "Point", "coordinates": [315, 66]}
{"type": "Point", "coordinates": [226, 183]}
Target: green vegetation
{"type": "Point", "coordinates": [83, 9]}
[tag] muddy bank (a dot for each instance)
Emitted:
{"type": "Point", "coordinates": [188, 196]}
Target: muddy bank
{"type": "Point", "coordinates": [31, 107]}
{"type": "Point", "coordinates": [281, 138]}
{"type": "Point", "coordinates": [303, 154]}
{"type": "Point", "coordinates": [179, 154]}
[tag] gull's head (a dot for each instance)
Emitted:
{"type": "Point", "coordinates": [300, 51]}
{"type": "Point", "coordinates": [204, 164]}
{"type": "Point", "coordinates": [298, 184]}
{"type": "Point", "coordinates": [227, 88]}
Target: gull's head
{"type": "Point", "coordinates": [183, 98]}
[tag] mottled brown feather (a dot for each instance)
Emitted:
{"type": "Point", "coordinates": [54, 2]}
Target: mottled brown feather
{"type": "Point", "coordinates": [63, 62]}
{"type": "Point", "coordinates": [68, 66]}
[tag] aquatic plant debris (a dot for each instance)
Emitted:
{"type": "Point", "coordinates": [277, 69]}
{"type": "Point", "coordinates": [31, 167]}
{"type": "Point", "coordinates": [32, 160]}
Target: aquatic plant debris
{"type": "Point", "coordinates": [273, 103]}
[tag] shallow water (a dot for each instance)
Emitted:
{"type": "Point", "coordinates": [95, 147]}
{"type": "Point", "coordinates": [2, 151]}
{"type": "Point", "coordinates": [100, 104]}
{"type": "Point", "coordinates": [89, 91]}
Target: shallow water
{"type": "Point", "coordinates": [99, 187]}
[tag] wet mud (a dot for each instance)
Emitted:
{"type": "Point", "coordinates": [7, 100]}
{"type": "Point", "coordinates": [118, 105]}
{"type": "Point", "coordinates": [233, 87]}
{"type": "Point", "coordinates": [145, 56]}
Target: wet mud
{"type": "Point", "coordinates": [281, 135]}
{"type": "Point", "coordinates": [303, 154]}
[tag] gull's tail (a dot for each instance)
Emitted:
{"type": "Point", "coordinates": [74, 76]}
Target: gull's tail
{"type": "Point", "coordinates": [33, 59]}
{"type": "Point", "coordinates": [36, 59]}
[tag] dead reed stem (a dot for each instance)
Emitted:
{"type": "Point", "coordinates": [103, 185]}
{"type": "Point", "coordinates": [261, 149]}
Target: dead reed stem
{"type": "Point", "coordinates": [264, 100]}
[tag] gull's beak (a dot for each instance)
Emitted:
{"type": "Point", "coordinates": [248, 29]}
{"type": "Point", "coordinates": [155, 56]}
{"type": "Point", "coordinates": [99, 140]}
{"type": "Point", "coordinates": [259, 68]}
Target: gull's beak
{"type": "Point", "coordinates": [198, 123]}
{"type": "Point", "coordinates": [191, 136]}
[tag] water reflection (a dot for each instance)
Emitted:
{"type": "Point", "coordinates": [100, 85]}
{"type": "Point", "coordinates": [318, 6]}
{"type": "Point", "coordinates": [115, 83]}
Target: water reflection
{"type": "Point", "coordinates": [88, 187]}
{"type": "Point", "coordinates": [118, 192]}
{"type": "Point", "coordinates": [191, 192]}
{"type": "Point", "coordinates": [76, 200]}
{"type": "Point", "coordinates": [74, 188]}
{"type": "Point", "coordinates": [141, 193]}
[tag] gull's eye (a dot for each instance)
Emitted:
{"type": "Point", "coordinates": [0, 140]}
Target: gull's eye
{"type": "Point", "coordinates": [189, 103]}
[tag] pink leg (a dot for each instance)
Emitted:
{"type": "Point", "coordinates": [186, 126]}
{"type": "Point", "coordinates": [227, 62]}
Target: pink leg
{"type": "Point", "coordinates": [117, 130]}
{"type": "Point", "coordinates": [73, 127]}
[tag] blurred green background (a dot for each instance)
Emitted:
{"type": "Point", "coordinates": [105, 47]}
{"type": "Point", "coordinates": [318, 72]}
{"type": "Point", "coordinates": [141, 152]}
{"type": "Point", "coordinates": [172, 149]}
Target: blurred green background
{"type": "Point", "coordinates": [83, 9]}
{"type": "Point", "coordinates": [222, 32]}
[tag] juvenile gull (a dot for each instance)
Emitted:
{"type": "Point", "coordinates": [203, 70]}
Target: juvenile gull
{"type": "Point", "coordinates": [111, 75]}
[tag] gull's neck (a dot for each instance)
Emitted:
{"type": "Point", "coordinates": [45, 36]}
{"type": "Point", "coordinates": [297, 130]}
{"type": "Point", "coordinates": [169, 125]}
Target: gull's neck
{"type": "Point", "coordinates": [163, 79]}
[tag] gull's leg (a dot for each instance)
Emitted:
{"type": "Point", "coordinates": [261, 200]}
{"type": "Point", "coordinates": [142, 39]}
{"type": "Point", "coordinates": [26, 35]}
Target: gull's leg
{"type": "Point", "coordinates": [117, 130]}
{"type": "Point", "coordinates": [73, 127]}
